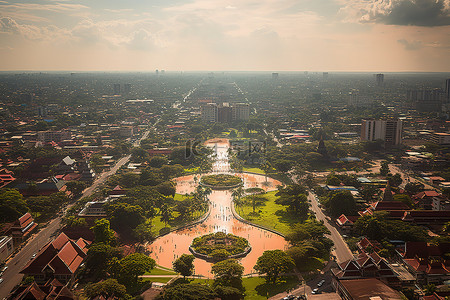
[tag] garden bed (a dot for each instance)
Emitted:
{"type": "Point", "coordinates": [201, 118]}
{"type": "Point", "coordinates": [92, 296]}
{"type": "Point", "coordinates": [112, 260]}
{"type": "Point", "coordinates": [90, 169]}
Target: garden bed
{"type": "Point", "coordinates": [219, 246]}
{"type": "Point", "coordinates": [221, 181]}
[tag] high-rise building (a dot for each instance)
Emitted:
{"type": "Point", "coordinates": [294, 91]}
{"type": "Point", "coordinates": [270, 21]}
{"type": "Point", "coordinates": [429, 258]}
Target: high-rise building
{"type": "Point", "coordinates": [127, 88]}
{"type": "Point", "coordinates": [224, 113]}
{"type": "Point", "coordinates": [390, 131]}
{"type": "Point", "coordinates": [426, 100]}
{"type": "Point", "coordinates": [116, 88]}
{"type": "Point", "coordinates": [447, 90]}
{"type": "Point", "coordinates": [241, 111]}
{"type": "Point", "coordinates": [380, 79]}
{"type": "Point", "coordinates": [355, 99]}
{"type": "Point", "coordinates": [209, 112]}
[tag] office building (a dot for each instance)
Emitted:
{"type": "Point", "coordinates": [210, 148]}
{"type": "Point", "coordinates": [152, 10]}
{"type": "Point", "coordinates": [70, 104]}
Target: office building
{"type": "Point", "coordinates": [209, 112]}
{"type": "Point", "coordinates": [241, 111]}
{"type": "Point", "coordinates": [390, 131]}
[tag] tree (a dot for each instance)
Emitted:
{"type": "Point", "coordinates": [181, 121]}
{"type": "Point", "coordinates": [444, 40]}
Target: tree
{"type": "Point", "coordinates": [99, 255]}
{"type": "Point", "coordinates": [186, 291]}
{"type": "Point", "coordinates": [103, 233]}
{"type": "Point", "coordinates": [12, 205]}
{"type": "Point", "coordinates": [143, 232]}
{"type": "Point", "coordinates": [134, 265]}
{"type": "Point", "coordinates": [333, 180]}
{"type": "Point", "coordinates": [228, 292]}
{"type": "Point", "coordinates": [414, 187]}
{"type": "Point", "coordinates": [228, 273]}
{"type": "Point", "coordinates": [157, 161]}
{"type": "Point", "coordinates": [125, 216]}
{"type": "Point", "coordinates": [273, 263]}
{"type": "Point", "coordinates": [404, 198]}
{"type": "Point", "coordinates": [384, 169]}
{"type": "Point", "coordinates": [395, 180]}
{"type": "Point", "coordinates": [108, 288]}
{"type": "Point", "coordinates": [166, 188]}
{"type": "Point", "coordinates": [184, 265]}
{"type": "Point", "coordinates": [139, 155]}
{"type": "Point", "coordinates": [342, 202]}
{"type": "Point", "coordinates": [166, 214]}
{"type": "Point", "coordinates": [76, 187]}
{"type": "Point", "coordinates": [298, 204]}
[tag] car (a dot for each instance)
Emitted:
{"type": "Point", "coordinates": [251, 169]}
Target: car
{"type": "Point", "coordinates": [1, 280]}
{"type": "Point", "coordinates": [315, 291]}
{"type": "Point", "coordinates": [321, 283]}
{"type": "Point", "coordinates": [33, 256]}
{"type": "Point", "coordinates": [289, 297]}
{"type": "Point", "coordinates": [4, 269]}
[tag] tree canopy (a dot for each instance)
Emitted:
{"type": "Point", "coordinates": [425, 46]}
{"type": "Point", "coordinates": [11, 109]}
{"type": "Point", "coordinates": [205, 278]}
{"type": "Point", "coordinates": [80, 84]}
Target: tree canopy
{"type": "Point", "coordinates": [273, 263]}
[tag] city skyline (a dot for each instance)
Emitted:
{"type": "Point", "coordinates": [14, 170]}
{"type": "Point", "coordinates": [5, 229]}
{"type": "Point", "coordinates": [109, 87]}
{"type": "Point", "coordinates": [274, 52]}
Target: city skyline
{"type": "Point", "coordinates": [229, 35]}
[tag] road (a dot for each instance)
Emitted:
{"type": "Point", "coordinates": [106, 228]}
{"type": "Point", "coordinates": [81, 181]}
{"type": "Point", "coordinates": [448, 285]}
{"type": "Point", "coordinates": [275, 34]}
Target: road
{"type": "Point", "coordinates": [341, 250]}
{"type": "Point", "coordinates": [11, 277]}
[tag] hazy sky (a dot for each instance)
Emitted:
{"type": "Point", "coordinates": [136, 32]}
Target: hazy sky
{"type": "Point", "coordinates": [263, 35]}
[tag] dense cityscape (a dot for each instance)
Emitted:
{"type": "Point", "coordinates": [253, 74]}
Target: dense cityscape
{"type": "Point", "coordinates": [224, 185]}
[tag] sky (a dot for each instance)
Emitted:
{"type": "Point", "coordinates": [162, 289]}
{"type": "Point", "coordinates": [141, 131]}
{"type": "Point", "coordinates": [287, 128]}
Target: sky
{"type": "Point", "coordinates": [226, 35]}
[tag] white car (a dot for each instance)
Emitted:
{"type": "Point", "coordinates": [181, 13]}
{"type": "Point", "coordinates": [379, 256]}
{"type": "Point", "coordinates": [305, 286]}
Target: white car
{"type": "Point", "coordinates": [315, 291]}
{"type": "Point", "coordinates": [321, 283]}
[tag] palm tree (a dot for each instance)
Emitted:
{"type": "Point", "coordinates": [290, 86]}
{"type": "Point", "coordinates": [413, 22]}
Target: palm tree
{"type": "Point", "coordinates": [237, 194]}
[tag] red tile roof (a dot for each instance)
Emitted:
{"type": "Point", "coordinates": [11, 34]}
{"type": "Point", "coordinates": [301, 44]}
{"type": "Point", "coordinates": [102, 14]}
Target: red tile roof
{"type": "Point", "coordinates": [62, 256]}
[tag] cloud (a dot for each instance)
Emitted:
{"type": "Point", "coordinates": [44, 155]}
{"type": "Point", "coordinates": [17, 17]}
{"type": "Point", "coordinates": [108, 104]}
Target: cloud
{"type": "Point", "coordinates": [427, 13]}
{"type": "Point", "coordinates": [414, 45]}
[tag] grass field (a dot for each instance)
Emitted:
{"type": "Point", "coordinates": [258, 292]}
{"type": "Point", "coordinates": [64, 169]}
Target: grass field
{"type": "Point", "coordinates": [157, 271]}
{"type": "Point", "coordinates": [157, 279]}
{"type": "Point", "coordinates": [270, 214]}
{"type": "Point", "coordinates": [256, 288]}
{"type": "Point", "coordinates": [253, 170]}
{"type": "Point", "coordinates": [157, 224]}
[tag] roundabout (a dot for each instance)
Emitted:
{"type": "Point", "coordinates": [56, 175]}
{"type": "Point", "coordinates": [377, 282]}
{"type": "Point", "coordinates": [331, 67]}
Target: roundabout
{"type": "Point", "coordinates": [219, 246]}
{"type": "Point", "coordinates": [167, 248]}
{"type": "Point", "coordinates": [221, 181]}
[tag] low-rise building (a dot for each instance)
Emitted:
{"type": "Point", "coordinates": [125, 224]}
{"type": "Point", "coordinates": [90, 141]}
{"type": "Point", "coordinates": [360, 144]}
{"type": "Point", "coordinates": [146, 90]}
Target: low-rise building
{"type": "Point", "coordinates": [22, 228]}
{"type": "Point", "coordinates": [6, 247]}
{"type": "Point", "coordinates": [58, 259]}
{"type": "Point", "coordinates": [52, 290]}
{"type": "Point", "coordinates": [367, 288]}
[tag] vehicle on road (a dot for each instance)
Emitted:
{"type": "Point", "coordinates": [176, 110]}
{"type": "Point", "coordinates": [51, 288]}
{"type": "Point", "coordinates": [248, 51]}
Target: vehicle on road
{"type": "Point", "coordinates": [321, 283]}
{"type": "Point", "coordinates": [315, 291]}
{"type": "Point", "coordinates": [1, 280]}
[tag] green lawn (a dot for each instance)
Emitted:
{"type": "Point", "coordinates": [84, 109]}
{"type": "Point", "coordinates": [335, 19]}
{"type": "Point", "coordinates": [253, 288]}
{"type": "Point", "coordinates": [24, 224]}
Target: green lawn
{"type": "Point", "coordinates": [157, 279]}
{"type": "Point", "coordinates": [256, 288]}
{"type": "Point", "coordinates": [157, 224]}
{"type": "Point", "coordinates": [157, 271]}
{"type": "Point", "coordinates": [253, 169]}
{"type": "Point", "coordinates": [190, 170]}
{"type": "Point", "coordinates": [179, 197]}
{"type": "Point", "coordinates": [270, 214]}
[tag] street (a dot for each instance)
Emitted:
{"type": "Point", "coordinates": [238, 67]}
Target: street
{"type": "Point", "coordinates": [341, 251]}
{"type": "Point", "coordinates": [11, 276]}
